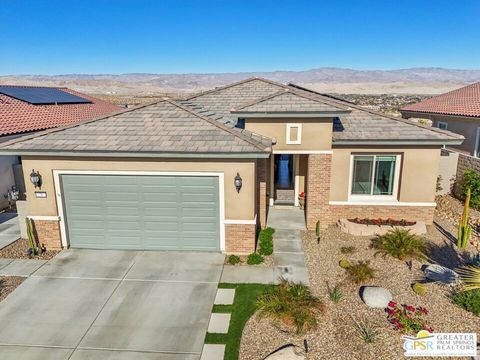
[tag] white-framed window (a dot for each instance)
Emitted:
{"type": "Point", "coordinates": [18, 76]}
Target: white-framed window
{"type": "Point", "coordinates": [294, 134]}
{"type": "Point", "coordinates": [477, 144]}
{"type": "Point", "coordinates": [374, 176]}
{"type": "Point", "coordinates": [443, 125]}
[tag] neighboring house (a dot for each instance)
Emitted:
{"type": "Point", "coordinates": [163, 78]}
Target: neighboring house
{"type": "Point", "coordinates": [167, 176]}
{"type": "Point", "coordinates": [457, 111]}
{"type": "Point", "coordinates": [27, 109]}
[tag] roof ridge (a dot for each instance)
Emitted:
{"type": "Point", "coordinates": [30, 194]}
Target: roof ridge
{"type": "Point", "coordinates": [405, 121]}
{"type": "Point", "coordinates": [36, 86]}
{"type": "Point", "coordinates": [218, 124]}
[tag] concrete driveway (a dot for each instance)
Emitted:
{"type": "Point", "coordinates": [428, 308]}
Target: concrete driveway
{"type": "Point", "coordinates": [105, 304]}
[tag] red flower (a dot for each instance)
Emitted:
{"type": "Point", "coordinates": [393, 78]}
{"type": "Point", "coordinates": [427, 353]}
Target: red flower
{"type": "Point", "coordinates": [392, 304]}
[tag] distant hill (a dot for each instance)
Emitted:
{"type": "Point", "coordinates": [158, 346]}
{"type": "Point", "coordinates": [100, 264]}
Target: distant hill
{"type": "Point", "coordinates": [331, 80]}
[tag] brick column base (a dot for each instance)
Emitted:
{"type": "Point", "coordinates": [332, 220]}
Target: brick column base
{"type": "Point", "coordinates": [48, 233]}
{"type": "Point", "coordinates": [318, 190]}
{"type": "Point", "coordinates": [240, 238]}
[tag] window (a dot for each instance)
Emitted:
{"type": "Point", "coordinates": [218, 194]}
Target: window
{"type": "Point", "coordinates": [477, 143]}
{"type": "Point", "coordinates": [442, 125]}
{"type": "Point", "coordinates": [240, 123]}
{"type": "Point", "coordinates": [294, 134]}
{"type": "Point", "coordinates": [374, 175]}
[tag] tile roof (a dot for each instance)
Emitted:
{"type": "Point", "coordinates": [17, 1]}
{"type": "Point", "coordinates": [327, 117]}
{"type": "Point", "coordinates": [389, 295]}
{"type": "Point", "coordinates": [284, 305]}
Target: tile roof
{"type": "Point", "coordinates": [163, 127]}
{"type": "Point", "coordinates": [462, 102]}
{"type": "Point", "coordinates": [288, 101]}
{"type": "Point", "coordinates": [19, 116]}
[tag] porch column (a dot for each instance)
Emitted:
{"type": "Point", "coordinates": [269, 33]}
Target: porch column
{"type": "Point", "coordinates": [262, 194]}
{"type": "Point", "coordinates": [318, 190]}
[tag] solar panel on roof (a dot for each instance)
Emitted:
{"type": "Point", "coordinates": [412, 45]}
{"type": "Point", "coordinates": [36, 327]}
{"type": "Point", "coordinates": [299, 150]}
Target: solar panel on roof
{"type": "Point", "coordinates": [42, 96]}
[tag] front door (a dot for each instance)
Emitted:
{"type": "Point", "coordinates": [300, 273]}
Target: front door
{"type": "Point", "coordinates": [284, 179]}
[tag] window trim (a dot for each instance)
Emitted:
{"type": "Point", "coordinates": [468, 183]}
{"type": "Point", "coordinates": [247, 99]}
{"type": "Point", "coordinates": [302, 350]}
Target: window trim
{"type": "Point", "coordinates": [288, 140]}
{"type": "Point", "coordinates": [371, 197]}
{"type": "Point", "coordinates": [443, 123]}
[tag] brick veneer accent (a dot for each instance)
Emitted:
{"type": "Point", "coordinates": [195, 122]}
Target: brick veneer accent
{"type": "Point", "coordinates": [262, 192]}
{"type": "Point", "coordinates": [240, 238]}
{"type": "Point", "coordinates": [411, 213]}
{"type": "Point", "coordinates": [465, 162]}
{"type": "Point", "coordinates": [48, 233]}
{"type": "Point", "coordinates": [318, 190]}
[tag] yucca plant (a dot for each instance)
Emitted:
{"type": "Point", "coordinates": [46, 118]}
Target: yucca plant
{"type": "Point", "coordinates": [335, 294]}
{"type": "Point", "coordinates": [464, 229]}
{"type": "Point", "coordinates": [365, 331]}
{"type": "Point", "coordinates": [470, 276]}
{"type": "Point", "coordinates": [401, 244]}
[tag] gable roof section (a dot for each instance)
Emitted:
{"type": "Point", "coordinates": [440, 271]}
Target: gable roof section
{"type": "Point", "coordinates": [166, 128]}
{"type": "Point", "coordinates": [461, 102]}
{"type": "Point", "coordinates": [288, 101]}
{"type": "Point", "coordinates": [18, 116]}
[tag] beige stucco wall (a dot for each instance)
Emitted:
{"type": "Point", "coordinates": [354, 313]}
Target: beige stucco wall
{"type": "Point", "coordinates": [238, 206]}
{"type": "Point", "coordinates": [316, 133]}
{"type": "Point", "coordinates": [418, 175]}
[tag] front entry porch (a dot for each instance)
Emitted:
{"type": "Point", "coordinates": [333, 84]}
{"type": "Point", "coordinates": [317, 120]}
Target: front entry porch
{"type": "Point", "coordinates": [287, 175]}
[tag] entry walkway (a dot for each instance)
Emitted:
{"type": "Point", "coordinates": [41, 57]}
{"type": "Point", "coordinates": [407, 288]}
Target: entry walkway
{"type": "Point", "coordinates": [288, 256]}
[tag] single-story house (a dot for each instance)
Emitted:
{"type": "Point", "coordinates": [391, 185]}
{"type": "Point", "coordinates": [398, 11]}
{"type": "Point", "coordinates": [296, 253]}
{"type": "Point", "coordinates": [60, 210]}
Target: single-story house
{"type": "Point", "coordinates": [457, 111]}
{"type": "Point", "coordinates": [201, 173]}
{"type": "Point", "coordinates": [29, 109]}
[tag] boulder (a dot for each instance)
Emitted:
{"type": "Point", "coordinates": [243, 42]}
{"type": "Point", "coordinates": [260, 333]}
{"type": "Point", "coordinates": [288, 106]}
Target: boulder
{"type": "Point", "coordinates": [289, 352]}
{"type": "Point", "coordinates": [441, 274]}
{"type": "Point", "coordinates": [375, 296]}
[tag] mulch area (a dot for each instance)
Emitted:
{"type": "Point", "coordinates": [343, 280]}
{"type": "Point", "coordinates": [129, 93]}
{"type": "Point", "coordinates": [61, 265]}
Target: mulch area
{"type": "Point", "coordinates": [336, 338]}
{"type": "Point", "coordinates": [8, 284]}
{"type": "Point", "coordinates": [17, 250]}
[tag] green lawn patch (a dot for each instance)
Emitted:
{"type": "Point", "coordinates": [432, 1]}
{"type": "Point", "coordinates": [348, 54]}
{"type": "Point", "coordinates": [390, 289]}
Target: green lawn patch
{"type": "Point", "coordinates": [242, 309]}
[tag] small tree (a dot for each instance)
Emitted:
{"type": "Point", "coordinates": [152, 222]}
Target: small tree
{"type": "Point", "coordinates": [471, 182]}
{"type": "Point", "coordinates": [464, 229]}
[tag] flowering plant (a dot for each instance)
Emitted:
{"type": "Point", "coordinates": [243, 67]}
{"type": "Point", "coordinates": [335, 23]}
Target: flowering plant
{"type": "Point", "coordinates": [302, 194]}
{"type": "Point", "coordinates": [407, 318]}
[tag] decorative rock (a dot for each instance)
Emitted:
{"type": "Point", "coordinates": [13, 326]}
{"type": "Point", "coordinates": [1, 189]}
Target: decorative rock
{"type": "Point", "coordinates": [289, 352]}
{"type": "Point", "coordinates": [375, 296]}
{"type": "Point", "coordinates": [441, 274]}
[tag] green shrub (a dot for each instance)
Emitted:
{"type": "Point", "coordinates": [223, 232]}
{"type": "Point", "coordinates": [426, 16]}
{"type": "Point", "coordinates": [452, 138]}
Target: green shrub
{"type": "Point", "coordinates": [292, 304]}
{"type": "Point", "coordinates": [400, 244]}
{"type": "Point", "coordinates": [233, 260]}
{"type": "Point", "coordinates": [344, 263]}
{"type": "Point", "coordinates": [360, 272]}
{"type": "Point", "coordinates": [365, 331]}
{"type": "Point", "coordinates": [419, 289]}
{"type": "Point", "coordinates": [469, 300]}
{"type": "Point", "coordinates": [348, 249]}
{"type": "Point", "coordinates": [335, 294]}
{"type": "Point", "coordinates": [471, 180]}
{"type": "Point", "coordinates": [254, 259]}
{"type": "Point", "coordinates": [265, 241]}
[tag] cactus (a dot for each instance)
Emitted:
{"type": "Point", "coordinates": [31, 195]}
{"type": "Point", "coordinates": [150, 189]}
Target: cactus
{"type": "Point", "coordinates": [31, 238]}
{"type": "Point", "coordinates": [464, 229]}
{"type": "Point", "coordinates": [344, 264]}
{"type": "Point", "coordinates": [419, 289]}
{"type": "Point", "coordinates": [317, 229]}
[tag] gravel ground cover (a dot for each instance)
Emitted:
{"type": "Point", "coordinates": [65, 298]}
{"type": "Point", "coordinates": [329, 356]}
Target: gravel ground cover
{"type": "Point", "coordinates": [17, 249]}
{"type": "Point", "coordinates": [336, 337]}
{"type": "Point", "coordinates": [8, 284]}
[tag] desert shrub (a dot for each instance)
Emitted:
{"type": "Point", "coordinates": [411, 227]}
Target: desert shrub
{"type": "Point", "coordinates": [348, 249]}
{"type": "Point", "coordinates": [365, 331]}
{"type": "Point", "coordinates": [233, 260]}
{"type": "Point", "coordinates": [400, 244]}
{"type": "Point", "coordinates": [471, 180]}
{"type": "Point", "coordinates": [344, 263]}
{"type": "Point", "coordinates": [292, 304]}
{"type": "Point", "coordinates": [335, 294]}
{"type": "Point", "coordinates": [469, 300]}
{"type": "Point", "coordinates": [360, 272]}
{"type": "Point", "coordinates": [254, 259]}
{"type": "Point", "coordinates": [407, 319]}
{"type": "Point", "coordinates": [419, 289]}
{"type": "Point", "coordinates": [265, 241]}
{"type": "Point", "coordinates": [470, 276]}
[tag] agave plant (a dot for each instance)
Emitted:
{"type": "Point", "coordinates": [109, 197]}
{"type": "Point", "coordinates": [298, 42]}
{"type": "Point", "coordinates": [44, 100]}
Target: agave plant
{"type": "Point", "coordinates": [400, 244]}
{"type": "Point", "coordinates": [470, 276]}
{"type": "Point", "coordinates": [464, 229]}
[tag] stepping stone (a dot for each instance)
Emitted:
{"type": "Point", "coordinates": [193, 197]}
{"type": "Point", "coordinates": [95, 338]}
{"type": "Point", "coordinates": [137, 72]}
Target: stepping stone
{"type": "Point", "coordinates": [213, 352]}
{"type": "Point", "coordinates": [22, 267]}
{"type": "Point", "coordinates": [219, 323]}
{"type": "Point", "coordinates": [224, 297]}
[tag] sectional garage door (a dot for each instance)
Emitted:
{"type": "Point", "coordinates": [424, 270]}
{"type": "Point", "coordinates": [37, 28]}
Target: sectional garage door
{"type": "Point", "coordinates": [142, 212]}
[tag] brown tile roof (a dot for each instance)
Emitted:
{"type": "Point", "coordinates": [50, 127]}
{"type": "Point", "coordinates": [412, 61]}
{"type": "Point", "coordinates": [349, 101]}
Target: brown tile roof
{"type": "Point", "coordinates": [462, 102]}
{"type": "Point", "coordinates": [18, 116]}
{"type": "Point", "coordinates": [163, 127]}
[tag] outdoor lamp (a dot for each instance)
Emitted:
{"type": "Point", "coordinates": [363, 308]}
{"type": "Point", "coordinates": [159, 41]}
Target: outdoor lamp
{"type": "Point", "coordinates": [238, 182]}
{"type": "Point", "coordinates": [35, 179]}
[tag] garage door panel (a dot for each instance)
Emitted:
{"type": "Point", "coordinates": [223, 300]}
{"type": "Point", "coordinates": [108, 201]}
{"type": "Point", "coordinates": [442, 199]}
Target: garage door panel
{"type": "Point", "coordinates": [142, 212]}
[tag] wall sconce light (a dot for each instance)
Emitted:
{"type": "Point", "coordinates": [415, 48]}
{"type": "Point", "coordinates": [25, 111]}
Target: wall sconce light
{"type": "Point", "coordinates": [36, 179]}
{"type": "Point", "coordinates": [238, 182]}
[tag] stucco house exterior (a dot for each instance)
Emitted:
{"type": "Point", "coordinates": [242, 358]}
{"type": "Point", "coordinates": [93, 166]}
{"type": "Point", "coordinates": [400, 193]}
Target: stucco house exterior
{"type": "Point", "coordinates": [201, 173]}
{"type": "Point", "coordinates": [24, 110]}
{"type": "Point", "coordinates": [457, 111]}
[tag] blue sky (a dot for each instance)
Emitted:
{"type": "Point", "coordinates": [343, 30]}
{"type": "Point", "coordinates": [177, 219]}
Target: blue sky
{"type": "Point", "coordinates": [182, 36]}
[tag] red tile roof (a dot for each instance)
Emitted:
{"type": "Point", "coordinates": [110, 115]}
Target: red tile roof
{"type": "Point", "coordinates": [18, 116]}
{"type": "Point", "coordinates": [463, 102]}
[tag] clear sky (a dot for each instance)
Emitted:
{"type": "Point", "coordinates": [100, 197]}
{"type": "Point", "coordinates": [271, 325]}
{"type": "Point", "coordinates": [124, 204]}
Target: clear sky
{"type": "Point", "coordinates": [181, 36]}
